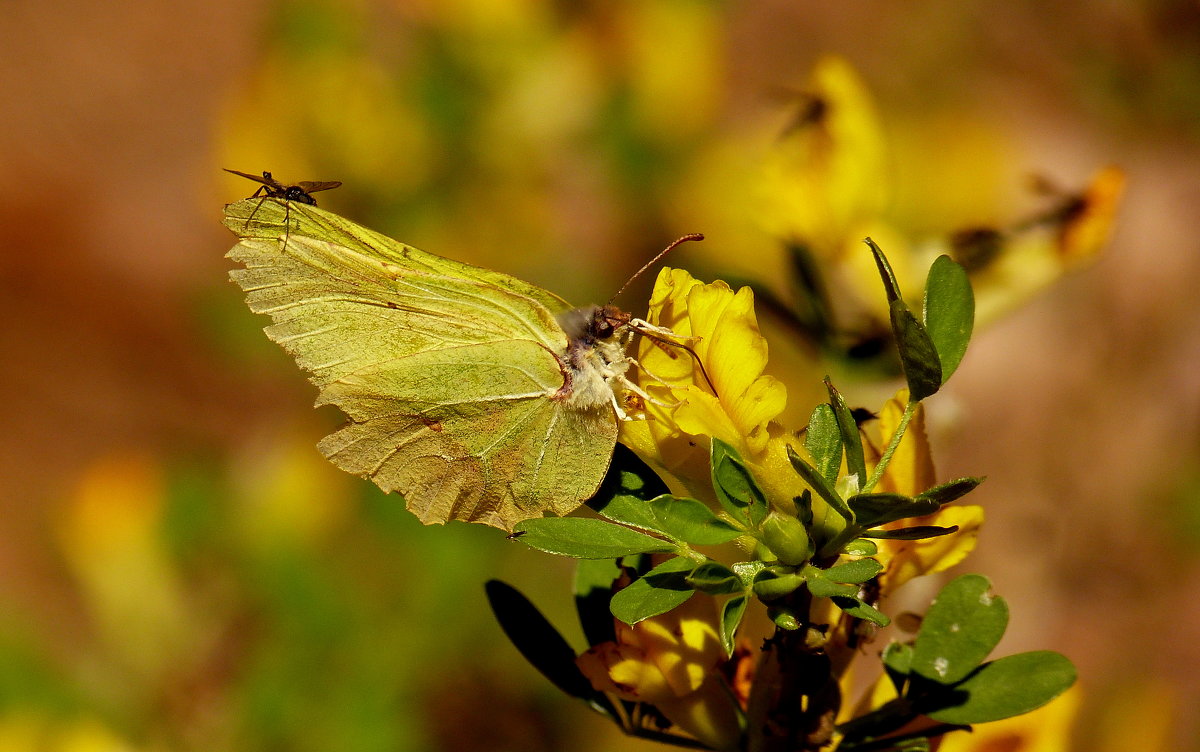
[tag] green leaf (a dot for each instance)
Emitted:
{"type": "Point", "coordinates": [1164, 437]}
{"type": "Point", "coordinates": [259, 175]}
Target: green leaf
{"type": "Point", "coordinates": [960, 628]}
{"type": "Point", "coordinates": [732, 612]}
{"type": "Point", "coordinates": [856, 463]}
{"type": "Point", "coordinates": [890, 286]}
{"type": "Point", "coordinates": [1003, 688]}
{"type": "Point", "coordinates": [857, 571]}
{"type": "Point", "coordinates": [593, 590]}
{"type": "Point", "coordinates": [881, 508]}
{"type": "Point", "coordinates": [823, 587]}
{"type": "Point", "coordinates": [715, 578]}
{"type": "Point", "coordinates": [823, 441]}
{"type": "Point", "coordinates": [861, 610]}
{"type": "Point", "coordinates": [748, 570]}
{"type": "Point", "coordinates": [657, 592]}
{"type": "Point", "coordinates": [585, 538]}
{"type": "Point", "coordinates": [949, 312]}
{"type": "Point", "coordinates": [627, 487]}
{"type": "Point", "coordinates": [918, 356]}
{"type": "Point", "coordinates": [861, 547]}
{"type": "Point", "coordinates": [910, 533]}
{"type": "Point", "coordinates": [783, 617]}
{"type": "Point", "coordinates": [950, 491]}
{"type": "Point", "coordinates": [737, 491]}
{"type": "Point", "coordinates": [539, 641]}
{"type": "Point", "coordinates": [897, 661]}
{"type": "Point", "coordinates": [813, 478]}
{"type": "Point", "coordinates": [691, 521]}
{"type": "Point", "coordinates": [772, 583]}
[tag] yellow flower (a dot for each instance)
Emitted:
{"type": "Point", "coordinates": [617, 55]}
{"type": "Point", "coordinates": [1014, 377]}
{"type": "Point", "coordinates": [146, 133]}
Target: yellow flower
{"type": "Point", "coordinates": [1068, 237]}
{"type": "Point", "coordinates": [910, 472]}
{"type": "Point", "coordinates": [671, 661]}
{"type": "Point", "coordinates": [827, 176]}
{"type": "Point", "coordinates": [110, 534]}
{"type": "Point", "coordinates": [718, 389]}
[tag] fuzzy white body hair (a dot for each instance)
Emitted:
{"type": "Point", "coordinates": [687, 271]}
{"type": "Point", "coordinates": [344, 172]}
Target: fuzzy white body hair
{"type": "Point", "coordinates": [595, 361]}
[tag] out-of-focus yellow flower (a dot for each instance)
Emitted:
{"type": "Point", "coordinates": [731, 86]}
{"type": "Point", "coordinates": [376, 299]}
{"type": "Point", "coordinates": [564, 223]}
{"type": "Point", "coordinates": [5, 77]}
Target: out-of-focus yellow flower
{"type": "Point", "coordinates": [910, 472]}
{"type": "Point", "coordinates": [1047, 729]}
{"type": "Point", "coordinates": [1035, 255]}
{"type": "Point", "coordinates": [826, 177]}
{"type": "Point", "coordinates": [111, 538]}
{"type": "Point", "coordinates": [672, 662]}
{"type": "Point", "coordinates": [36, 732]}
{"type": "Point", "coordinates": [1088, 221]}
{"type": "Point", "coordinates": [721, 392]}
{"type": "Point", "coordinates": [1138, 715]}
{"type": "Point", "coordinates": [287, 494]}
{"type": "Point", "coordinates": [297, 106]}
{"type": "Point", "coordinates": [673, 53]}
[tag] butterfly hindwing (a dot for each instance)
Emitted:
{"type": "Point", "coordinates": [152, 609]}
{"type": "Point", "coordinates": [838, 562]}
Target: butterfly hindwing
{"type": "Point", "coordinates": [480, 450]}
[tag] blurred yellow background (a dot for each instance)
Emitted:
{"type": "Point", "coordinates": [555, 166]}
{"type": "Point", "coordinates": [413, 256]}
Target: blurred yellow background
{"type": "Point", "coordinates": [180, 570]}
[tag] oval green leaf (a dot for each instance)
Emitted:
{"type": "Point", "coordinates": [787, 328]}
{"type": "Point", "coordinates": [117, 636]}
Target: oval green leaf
{"type": "Point", "coordinates": [539, 641]}
{"type": "Point", "coordinates": [918, 532]}
{"type": "Point", "coordinates": [732, 612]}
{"type": "Point", "coordinates": [691, 521]}
{"type": "Point", "coordinates": [861, 610]}
{"type": "Point", "coordinates": [856, 463]}
{"type": "Point", "coordinates": [881, 508]}
{"type": "Point", "coordinates": [737, 491]}
{"type": "Point", "coordinates": [1003, 688]}
{"type": "Point", "coordinates": [584, 538]}
{"type": "Point", "coordinates": [657, 592]}
{"type": "Point", "coordinates": [823, 440]}
{"type": "Point", "coordinates": [960, 628]}
{"type": "Point", "coordinates": [858, 571]}
{"type": "Point", "coordinates": [949, 312]}
{"type": "Point", "coordinates": [918, 355]}
{"type": "Point", "coordinates": [715, 578]}
{"type": "Point", "coordinates": [951, 490]}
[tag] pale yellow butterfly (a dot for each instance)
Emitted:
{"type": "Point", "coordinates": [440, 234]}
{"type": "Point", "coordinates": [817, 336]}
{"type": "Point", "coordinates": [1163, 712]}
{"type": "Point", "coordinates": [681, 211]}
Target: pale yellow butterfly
{"type": "Point", "coordinates": [475, 395]}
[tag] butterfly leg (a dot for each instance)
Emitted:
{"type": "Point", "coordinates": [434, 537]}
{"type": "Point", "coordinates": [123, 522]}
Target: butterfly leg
{"type": "Point", "coordinates": [645, 327]}
{"type": "Point", "coordinates": [661, 382]}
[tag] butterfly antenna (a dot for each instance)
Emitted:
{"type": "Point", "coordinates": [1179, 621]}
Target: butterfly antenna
{"type": "Point", "coordinates": [661, 341]}
{"type": "Point", "coordinates": [653, 261]}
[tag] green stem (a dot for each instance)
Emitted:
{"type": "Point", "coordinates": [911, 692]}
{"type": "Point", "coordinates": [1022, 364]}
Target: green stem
{"type": "Point", "coordinates": [909, 408]}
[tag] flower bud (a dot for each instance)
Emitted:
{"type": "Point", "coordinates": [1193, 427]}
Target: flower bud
{"type": "Point", "coordinates": [787, 538]}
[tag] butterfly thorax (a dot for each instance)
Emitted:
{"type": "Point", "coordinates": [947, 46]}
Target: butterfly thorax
{"type": "Point", "coordinates": [595, 358]}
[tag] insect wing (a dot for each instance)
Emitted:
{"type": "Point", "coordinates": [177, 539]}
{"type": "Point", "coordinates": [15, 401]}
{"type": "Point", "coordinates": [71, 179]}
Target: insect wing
{"type": "Point", "coordinates": [446, 370]}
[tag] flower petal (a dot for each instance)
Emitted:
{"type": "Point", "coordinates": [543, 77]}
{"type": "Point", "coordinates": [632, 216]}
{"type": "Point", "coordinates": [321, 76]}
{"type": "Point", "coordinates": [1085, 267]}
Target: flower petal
{"type": "Point", "coordinates": [714, 383]}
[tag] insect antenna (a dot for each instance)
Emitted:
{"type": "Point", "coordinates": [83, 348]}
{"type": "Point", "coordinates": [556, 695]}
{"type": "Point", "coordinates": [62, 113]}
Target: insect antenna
{"type": "Point", "coordinates": [653, 261]}
{"type": "Point", "coordinates": [662, 341]}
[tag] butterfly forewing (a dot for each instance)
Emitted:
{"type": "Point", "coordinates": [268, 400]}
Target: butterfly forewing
{"type": "Point", "coordinates": [276, 219]}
